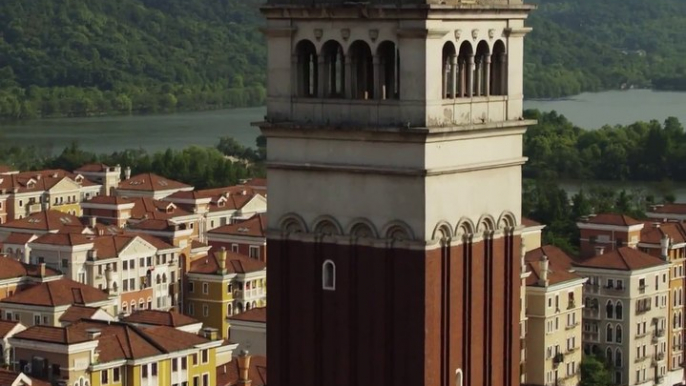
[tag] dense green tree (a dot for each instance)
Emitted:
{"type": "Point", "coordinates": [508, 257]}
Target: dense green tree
{"type": "Point", "coordinates": [594, 372]}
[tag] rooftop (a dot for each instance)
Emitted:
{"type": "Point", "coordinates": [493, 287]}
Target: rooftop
{"type": "Point", "coordinates": [5, 327]}
{"type": "Point", "coordinates": [559, 264]}
{"type": "Point", "coordinates": [76, 313]}
{"type": "Point", "coordinates": [613, 219]}
{"type": "Point", "coordinates": [12, 269]}
{"type": "Point", "coordinates": [56, 293]}
{"type": "Point", "coordinates": [228, 374]}
{"type": "Point", "coordinates": [49, 220]}
{"type": "Point", "coordinates": [150, 182]}
{"type": "Point", "coordinates": [160, 318]}
{"type": "Point", "coordinates": [235, 263]}
{"type": "Point", "coordinates": [622, 259]}
{"type": "Point", "coordinates": [258, 315]}
{"type": "Point", "coordinates": [255, 226]}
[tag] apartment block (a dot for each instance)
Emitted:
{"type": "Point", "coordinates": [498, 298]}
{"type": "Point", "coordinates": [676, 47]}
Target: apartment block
{"type": "Point", "coordinates": [247, 237]}
{"type": "Point", "coordinates": [626, 313]}
{"type": "Point", "coordinates": [224, 284]}
{"type": "Point", "coordinates": [108, 177]}
{"type": "Point", "coordinates": [608, 231]}
{"type": "Point", "coordinates": [554, 314]}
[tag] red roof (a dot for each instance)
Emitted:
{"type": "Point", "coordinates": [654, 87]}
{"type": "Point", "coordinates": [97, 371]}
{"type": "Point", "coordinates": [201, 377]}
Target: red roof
{"type": "Point", "coordinates": [76, 313]}
{"type": "Point", "coordinates": [38, 181]}
{"type": "Point", "coordinates": [613, 219]}
{"type": "Point", "coordinates": [12, 268]}
{"type": "Point", "coordinates": [228, 374]}
{"type": "Point", "coordinates": [49, 220]}
{"type": "Point", "coordinates": [5, 327]}
{"type": "Point", "coordinates": [160, 318]}
{"type": "Point", "coordinates": [675, 208]}
{"type": "Point", "coordinates": [150, 182]}
{"type": "Point", "coordinates": [67, 239]}
{"type": "Point", "coordinates": [623, 259]}
{"type": "Point", "coordinates": [235, 263]}
{"type": "Point", "coordinates": [527, 222]}
{"type": "Point", "coordinates": [559, 264]}
{"type": "Point", "coordinates": [109, 200]}
{"type": "Point", "coordinates": [57, 293]}
{"type": "Point", "coordinates": [7, 378]}
{"type": "Point", "coordinates": [19, 238]}
{"type": "Point", "coordinates": [651, 234]}
{"type": "Point", "coordinates": [95, 167]}
{"type": "Point", "coordinates": [257, 315]}
{"type": "Point", "coordinates": [255, 226]}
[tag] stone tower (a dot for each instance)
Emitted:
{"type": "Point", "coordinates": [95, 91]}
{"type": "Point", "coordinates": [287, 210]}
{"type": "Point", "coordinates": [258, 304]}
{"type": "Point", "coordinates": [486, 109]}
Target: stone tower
{"type": "Point", "coordinates": [394, 132]}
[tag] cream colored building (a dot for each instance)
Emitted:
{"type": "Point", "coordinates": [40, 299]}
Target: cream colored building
{"type": "Point", "coordinates": [625, 318]}
{"type": "Point", "coordinates": [554, 307]}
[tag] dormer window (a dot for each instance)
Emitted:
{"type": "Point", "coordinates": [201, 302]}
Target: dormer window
{"type": "Point", "coordinates": [329, 275]}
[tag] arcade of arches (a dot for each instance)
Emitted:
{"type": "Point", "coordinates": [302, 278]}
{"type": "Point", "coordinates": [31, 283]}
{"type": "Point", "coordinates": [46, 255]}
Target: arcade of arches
{"type": "Point", "coordinates": [363, 74]}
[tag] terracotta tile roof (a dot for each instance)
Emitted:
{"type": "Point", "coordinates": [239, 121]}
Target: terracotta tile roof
{"type": "Point", "coordinates": [109, 246]}
{"type": "Point", "coordinates": [651, 234]}
{"type": "Point", "coordinates": [39, 181]}
{"type": "Point", "coordinates": [622, 259]}
{"type": "Point", "coordinates": [148, 208]}
{"type": "Point", "coordinates": [8, 378]}
{"type": "Point", "coordinates": [5, 327]}
{"type": "Point", "coordinates": [195, 244]}
{"type": "Point", "coordinates": [613, 219]}
{"type": "Point", "coordinates": [19, 238]}
{"type": "Point", "coordinates": [66, 239]}
{"type": "Point", "coordinates": [76, 313]}
{"type": "Point", "coordinates": [235, 263]}
{"type": "Point", "coordinates": [95, 167]}
{"type": "Point", "coordinates": [57, 293]}
{"type": "Point", "coordinates": [227, 375]}
{"type": "Point", "coordinates": [559, 264]}
{"type": "Point", "coordinates": [527, 222]}
{"type": "Point", "coordinates": [675, 208]}
{"type": "Point", "coordinates": [258, 315]}
{"type": "Point", "coordinates": [50, 334]}
{"type": "Point", "coordinates": [7, 169]}
{"type": "Point", "coordinates": [50, 220]}
{"type": "Point", "coordinates": [109, 200]}
{"type": "Point", "coordinates": [255, 226]}
{"type": "Point", "coordinates": [257, 183]}
{"type": "Point", "coordinates": [153, 225]}
{"type": "Point", "coordinates": [12, 268]}
{"type": "Point", "coordinates": [150, 182]}
{"type": "Point", "coordinates": [171, 339]}
{"type": "Point", "coordinates": [160, 318]}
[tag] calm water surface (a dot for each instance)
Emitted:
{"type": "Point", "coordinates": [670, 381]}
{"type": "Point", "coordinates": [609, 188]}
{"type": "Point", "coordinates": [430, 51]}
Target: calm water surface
{"type": "Point", "coordinates": [158, 132]}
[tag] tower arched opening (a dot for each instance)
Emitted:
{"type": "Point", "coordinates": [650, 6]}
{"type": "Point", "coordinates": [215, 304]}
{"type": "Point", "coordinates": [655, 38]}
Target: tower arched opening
{"type": "Point", "coordinates": [333, 70]}
{"type": "Point", "coordinates": [499, 69]}
{"type": "Point", "coordinates": [307, 69]}
{"type": "Point", "coordinates": [362, 70]}
{"type": "Point", "coordinates": [389, 69]}
{"type": "Point", "coordinates": [449, 72]}
{"type": "Point", "coordinates": [465, 62]}
{"type": "Point", "coordinates": [482, 69]}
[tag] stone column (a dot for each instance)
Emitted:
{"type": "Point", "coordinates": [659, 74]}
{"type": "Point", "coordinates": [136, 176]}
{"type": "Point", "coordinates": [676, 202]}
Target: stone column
{"type": "Point", "coordinates": [376, 65]}
{"type": "Point", "coordinates": [470, 76]}
{"type": "Point", "coordinates": [460, 78]}
{"type": "Point", "coordinates": [503, 74]}
{"type": "Point", "coordinates": [348, 81]}
{"type": "Point", "coordinates": [321, 77]}
{"type": "Point", "coordinates": [295, 86]}
{"type": "Point", "coordinates": [487, 75]}
{"type": "Point", "coordinates": [446, 74]}
{"type": "Point", "coordinates": [453, 76]}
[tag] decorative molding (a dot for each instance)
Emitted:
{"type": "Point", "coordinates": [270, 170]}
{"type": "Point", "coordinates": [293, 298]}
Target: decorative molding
{"type": "Point", "coordinates": [318, 33]}
{"type": "Point", "coordinates": [475, 33]}
{"type": "Point", "coordinates": [491, 33]}
{"type": "Point", "coordinates": [278, 32]}
{"type": "Point", "coordinates": [373, 34]}
{"type": "Point", "coordinates": [345, 33]}
{"type": "Point", "coordinates": [458, 33]}
{"type": "Point", "coordinates": [421, 33]}
{"type": "Point", "coordinates": [517, 32]}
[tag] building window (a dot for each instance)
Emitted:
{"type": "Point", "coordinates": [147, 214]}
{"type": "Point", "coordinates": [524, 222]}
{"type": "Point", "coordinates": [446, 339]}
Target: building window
{"type": "Point", "coordinates": [144, 369]}
{"type": "Point", "coordinates": [56, 370]}
{"type": "Point", "coordinates": [154, 369]}
{"type": "Point", "coordinates": [205, 310]}
{"type": "Point", "coordinates": [618, 334]}
{"type": "Point", "coordinates": [184, 363]}
{"type": "Point", "coordinates": [205, 380]}
{"type": "Point", "coordinates": [618, 377]}
{"type": "Point", "coordinates": [205, 288]}
{"type": "Point", "coordinates": [65, 263]}
{"type": "Point", "coordinates": [205, 356]}
{"type": "Point", "coordinates": [104, 377]}
{"type": "Point", "coordinates": [175, 364]}
{"type": "Point", "coordinates": [254, 252]}
{"type": "Point", "coordinates": [609, 309]}
{"type": "Point", "coordinates": [190, 309]}
{"type": "Point", "coordinates": [234, 248]}
{"type": "Point", "coordinates": [191, 286]}
{"type": "Point", "coordinates": [608, 333]}
{"type": "Point", "coordinates": [618, 358]}
{"type": "Point", "coordinates": [115, 375]}
{"type": "Point", "coordinates": [618, 310]}
{"type": "Point", "coordinates": [36, 320]}
{"type": "Point", "coordinates": [329, 275]}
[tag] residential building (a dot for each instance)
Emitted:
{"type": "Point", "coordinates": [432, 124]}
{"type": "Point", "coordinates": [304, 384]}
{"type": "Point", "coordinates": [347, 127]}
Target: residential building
{"type": "Point", "coordinates": [249, 330]}
{"type": "Point", "coordinates": [244, 369]}
{"type": "Point", "coordinates": [673, 212]}
{"type": "Point", "coordinates": [7, 330]}
{"type": "Point", "coordinates": [554, 314]}
{"type": "Point", "coordinates": [141, 270]}
{"type": "Point", "coordinates": [626, 310]}
{"type": "Point", "coordinates": [113, 210]}
{"type": "Point", "coordinates": [103, 353]}
{"type": "Point", "coordinates": [16, 276]}
{"type": "Point", "coordinates": [247, 237]}
{"type": "Point", "coordinates": [32, 192]}
{"type": "Point", "coordinates": [609, 231]}
{"type": "Point", "coordinates": [108, 177]}
{"type": "Point", "coordinates": [224, 284]}
{"type": "Point", "coordinates": [40, 223]}
{"type": "Point", "coordinates": [16, 245]}
{"type": "Point", "coordinates": [668, 242]}
{"type": "Point", "coordinates": [46, 303]}
{"type": "Point", "coordinates": [151, 318]}
{"type": "Point", "coordinates": [149, 185]}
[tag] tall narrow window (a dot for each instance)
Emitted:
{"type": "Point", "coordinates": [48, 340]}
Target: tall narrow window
{"type": "Point", "coordinates": [449, 72]}
{"type": "Point", "coordinates": [465, 62]}
{"type": "Point", "coordinates": [458, 377]}
{"type": "Point", "coordinates": [329, 275]}
{"type": "Point", "coordinates": [608, 334]}
{"type": "Point", "coordinates": [306, 69]}
{"type": "Point", "coordinates": [609, 309]}
{"type": "Point", "coordinates": [499, 69]}
{"type": "Point", "coordinates": [618, 310]}
{"type": "Point", "coordinates": [389, 63]}
{"type": "Point", "coordinates": [482, 69]}
{"type": "Point", "coordinates": [362, 71]}
{"type": "Point", "coordinates": [618, 334]}
{"type": "Point", "coordinates": [334, 70]}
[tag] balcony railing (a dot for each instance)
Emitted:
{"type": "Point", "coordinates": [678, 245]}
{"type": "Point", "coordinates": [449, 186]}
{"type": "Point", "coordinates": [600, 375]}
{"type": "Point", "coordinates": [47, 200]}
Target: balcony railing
{"type": "Point", "coordinates": [614, 290]}
{"type": "Point", "coordinates": [558, 358]}
{"type": "Point", "coordinates": [643, 310]}
{"type": "Point", "coordinates": [591, 314]}
{"type": "Point", "coordinates": [641, 359]}
{"type": "Point", "coordinates": [659, 356]}
{"type": "Point", "coordinates": [592, 287]}
{"type": "Point", "coordinates": [571, 304]}
{"type": "Point", "coordinates": [660, 380]}
{"type": "Point", "coordinates": [592, 336]}
{"type": "Point", "coordinates": [650, 379]}
{"type": "Point", "coordinates": [571, 326]}
{"type": "Point", "coordinates": [642, 289]}
{"type": "Point", "coordinates": [660, 332]}
{"type": "Point", "coordinates": [642, 334]}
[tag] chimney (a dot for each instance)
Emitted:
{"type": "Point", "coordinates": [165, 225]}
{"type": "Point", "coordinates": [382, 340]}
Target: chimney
{"type": "Point", "coordinates": [93, 220]}
{"type": "Point", "coordinates": [210, 333]}
{"type": "Point", "coordinates": [656, 225]}
{"type": "Point", "coordinates": [41, 269]}
{"type": "Point", "coordinates": [544, 265]}
{"type": "Point", "coordinates": [93, 333]}
{"type": "Point", "coordinates": [127, 173]}
{"type": "Point", "coordinates": [221, 258]}
{"type": "Point", "coordinates": [599, 250]}
{"type": "Point", "coordinates": [243, 367]}
{"type": "Point", "coordinates": [664, 246]}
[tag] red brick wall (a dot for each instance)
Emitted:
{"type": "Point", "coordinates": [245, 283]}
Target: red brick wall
{"type": "Point", "coordinates": [396, 317]}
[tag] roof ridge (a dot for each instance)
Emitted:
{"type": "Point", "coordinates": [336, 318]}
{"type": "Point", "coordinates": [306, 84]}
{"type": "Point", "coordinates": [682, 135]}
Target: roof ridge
{"type": "Point", "coordinates": [52, 299]}
{"type": "Point", "coordinates": [140, 332]}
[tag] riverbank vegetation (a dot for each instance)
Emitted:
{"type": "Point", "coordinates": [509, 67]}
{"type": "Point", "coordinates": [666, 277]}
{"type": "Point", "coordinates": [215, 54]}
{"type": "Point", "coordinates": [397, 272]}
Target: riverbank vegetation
{"type": "Point", "coordinates": [202, 167]}
{"type": "Point", "coordinates": [93, 57]}
{"type": "Point", "coordinates": [90, 57]}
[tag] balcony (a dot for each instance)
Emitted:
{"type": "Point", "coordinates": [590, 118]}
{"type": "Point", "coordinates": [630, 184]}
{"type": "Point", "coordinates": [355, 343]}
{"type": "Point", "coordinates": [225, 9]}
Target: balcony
{"type": "Point", "coordinates": [660, 380]}
{"type": "Point", "coordinates": [571, 305]}
{"type": "Point", "coordinates": [571, 326]}
{"type": "Point", "coordinates": [592, 287]}
{"type": "Point", "coordinates": [641, 359]}
{"type": "Point", "coordinates": [569, 376]}
{"type": "Point", "coordinates": [642, 334]}
{"type": "Point", "coordinates": [35, 208]}
{"type": "Point", "coordinates": [642, 310]}
{"type": "Point", "coordinates": [660, 332]}
{"type": "Point", "coordinates": [591, 314]}
{"type": "Point", "coordinates": [614, 290]}
{"type": "Point", "coordinates": [642, 289]}
{"type": "Point", "coordinates": [660, 356]}
{"type": "Point", "coordinates": [591, 336]}
{"type": "Point", "coordinates": [558, 358]}
{"type": "Point", "coordinates": [571, 350]}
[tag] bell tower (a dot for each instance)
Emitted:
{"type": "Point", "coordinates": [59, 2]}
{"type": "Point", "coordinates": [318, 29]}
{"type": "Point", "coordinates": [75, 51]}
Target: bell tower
{"type": "Point", "coordinates": [394, 134]}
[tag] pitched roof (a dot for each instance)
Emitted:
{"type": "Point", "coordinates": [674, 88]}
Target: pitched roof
{"type": "Point", "coordinates": [12, 268]}
{"type": "Point", "coordinates": [255, 226]}
{"type": "Point", "coordinates": [67, 239]}
{"type": "Point", "coordinates": [94, 167]}
{"type": "Point", "coordinates": [527, 222]}
{"type": "Point", "coordinates": [228, 374]}
{"type": "Point", "coordinates": [76, 312]}
{"type": "Point", "coordinates": [559, 264]}
{"type": "Point", "coordinates": [19, 238]}
{"type": "Point", "coordinates": [613, 219]}
{"type": "Point", "coordinates": [149, 208]}
{"type": "Point", "coordinates": [622, 259]}
{"type": "Point", "coordinates": [160, 318]}
{"type": "Point", "coordinates": [39, 181]}
{"type": "Point", "coordinates": [57, 293]}
{"type": "Point", "coordinates": [235, 263]}
{"type": "Point", "coordinates": [50, 334]}
{"type": "Point", "coordinates": [150, 182]}
{"type": "Point", "coordinates": [652, 234]}
{"type": "Point", "coordinates": [7, 378]}
{"type": "Point", "coordinates": [675, 208]}
{"type": "Point", "coordinates": [49, 220]}
{"type": "Point", "coordinates": [5, 327]}
{"type": "Point", "coordinates": [258, 315]}
{"type": "Point", "coordinates": [7, 169]}
{"type": "Point", "coordinates": [109, 200]}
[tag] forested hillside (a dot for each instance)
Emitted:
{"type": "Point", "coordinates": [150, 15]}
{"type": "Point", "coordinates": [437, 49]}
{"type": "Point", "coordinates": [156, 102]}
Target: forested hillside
{"type": "Point", "coordinates": [85, 57]}
{"type": "Point", "coordinates": [81, 57]}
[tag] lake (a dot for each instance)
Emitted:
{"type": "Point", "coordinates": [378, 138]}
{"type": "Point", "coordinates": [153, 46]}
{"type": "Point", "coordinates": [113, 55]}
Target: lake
{"type": "Point", "coordinates": [158, 132]}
